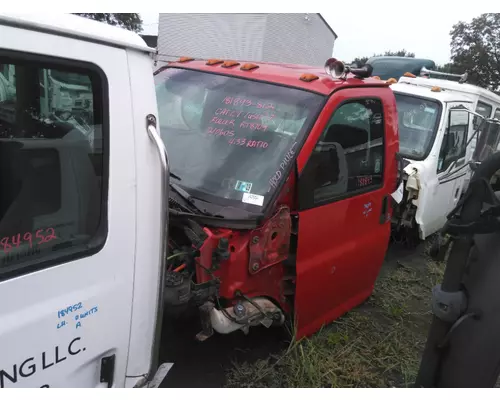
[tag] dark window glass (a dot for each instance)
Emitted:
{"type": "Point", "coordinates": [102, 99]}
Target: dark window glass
{"type": "Point", "coordinates": [349, 157]}
{"type": "Point", "coordinates": [454, 142]}
{"type": "Point", "coordinates": [51, 157]}
{"type": "Point", "coordinates": [483, 109]}
{"type": "Point", "coordinates": [497, 114]}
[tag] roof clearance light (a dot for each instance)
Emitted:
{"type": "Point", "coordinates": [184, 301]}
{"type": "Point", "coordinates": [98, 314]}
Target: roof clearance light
{"type": "Point", "coordinates": [185, 59]}
{"type": "Point", "coordinates": [376, 77]}
{"type": "Point", "coordinates": [249, 67]}
{"type": "Point", "coordinates": [435, 89]}
{"type": "Point", "coordinates": [308, 77]}
{"type": "Point", "coordinates": [229, 64]}
{"type": "Point", "coordinates": [409, 75]}
{"type": "Point", "coordinates": [390, 81]}
{"type": "Point", "coordinates": [214, 61]}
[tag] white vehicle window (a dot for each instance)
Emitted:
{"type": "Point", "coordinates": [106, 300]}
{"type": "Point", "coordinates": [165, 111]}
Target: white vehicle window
{"type": "Point", "coordinates": [418, 120]}
{"type": "Point", "coordinates": [483, 109]}
{"type": "Point", "coordinates": [497, 114]}
{"type": "Point", "coordinates": [52, 173]}
{"type": "Point", "coordinates": [454, 142]}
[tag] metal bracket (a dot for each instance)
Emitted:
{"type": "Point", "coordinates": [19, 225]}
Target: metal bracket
{"type": "Point", "coordinates": [201, 292]}
{"type": "Point", "coordinates": [448, 306]}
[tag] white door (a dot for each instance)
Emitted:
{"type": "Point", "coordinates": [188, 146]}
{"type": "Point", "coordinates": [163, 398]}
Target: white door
{"type": "Point", "coordinates": [67, 213]}
{"type": "Point", "coordinates": [447, 182]}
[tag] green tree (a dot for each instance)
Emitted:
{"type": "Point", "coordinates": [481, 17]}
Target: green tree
{"type": "Point", "coordinates": [360, 61]}
{"type": "Point", "coordinates": [475, 48]}
{"type": "Point", "coordinates": [450, 68]}
{"type": "Point", "coordinates": [132, 22]}
{"type": "Point", "coordinates": [400, 53]}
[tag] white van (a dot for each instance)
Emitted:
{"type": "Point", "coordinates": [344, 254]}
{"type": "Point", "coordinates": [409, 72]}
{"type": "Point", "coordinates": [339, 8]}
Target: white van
{"type": "Point", "coordinates": [85, 311]}
{"type": "Point", "coordinates": [437, 121]}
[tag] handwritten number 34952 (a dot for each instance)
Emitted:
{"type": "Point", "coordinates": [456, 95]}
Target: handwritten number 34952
{"type": "Point", "coordinates": [28, 237]}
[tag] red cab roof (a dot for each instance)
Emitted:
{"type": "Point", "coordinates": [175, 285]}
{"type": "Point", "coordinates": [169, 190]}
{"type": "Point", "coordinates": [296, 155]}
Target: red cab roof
{"type": "Point", "coordinates": [283, 74]}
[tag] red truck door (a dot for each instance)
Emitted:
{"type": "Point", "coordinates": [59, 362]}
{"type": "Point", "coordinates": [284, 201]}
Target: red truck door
{"type": "Point", "coordinates": [346, 176]}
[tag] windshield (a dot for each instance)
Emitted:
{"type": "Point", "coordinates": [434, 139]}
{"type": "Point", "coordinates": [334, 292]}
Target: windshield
{"type": "Point", "coordinates": [229, 140]}
{"type": "Point", "coordinates": [418, 120]}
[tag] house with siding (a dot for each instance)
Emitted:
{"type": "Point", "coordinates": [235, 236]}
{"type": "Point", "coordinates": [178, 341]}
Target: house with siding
{"type": "Point", "coordinates": [296, 38]}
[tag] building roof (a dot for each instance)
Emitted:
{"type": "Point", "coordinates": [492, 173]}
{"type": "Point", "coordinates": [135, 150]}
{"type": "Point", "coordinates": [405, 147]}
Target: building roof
{"type": "Point", "coordinates": [75, 26]}
{"type": "Point", "coordinates": [328, 25]}
{"type": "Point", "coordinates": [284, 74]}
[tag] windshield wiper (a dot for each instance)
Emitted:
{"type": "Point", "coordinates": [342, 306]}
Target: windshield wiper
{"type": "Point", "coordinates": [188, 198]}
{"type": "Point", "coordinates": [181, 192]}
{"type": "Point", "coordinates": [175, 176]}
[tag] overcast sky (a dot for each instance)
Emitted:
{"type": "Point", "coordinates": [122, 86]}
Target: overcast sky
{"type": "Point", "coordinates": [421, 27]}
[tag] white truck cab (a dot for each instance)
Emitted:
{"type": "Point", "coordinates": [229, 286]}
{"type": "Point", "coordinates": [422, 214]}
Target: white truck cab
{"type": "Point", "coordinates": [438, 120]}
{"type": "Point", "coordinates": [81, 241]}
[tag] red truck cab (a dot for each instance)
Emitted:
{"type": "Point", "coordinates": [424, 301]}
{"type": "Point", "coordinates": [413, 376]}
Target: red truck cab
{"type": "Point", "coordinates": [281, 182]}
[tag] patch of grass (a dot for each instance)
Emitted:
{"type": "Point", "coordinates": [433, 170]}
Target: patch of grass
{"type": "Point", "coordinates": [378, 344]}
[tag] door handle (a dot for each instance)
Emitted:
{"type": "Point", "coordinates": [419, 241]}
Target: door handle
{"type": "Point", "coordinates": [108, 370]}
{"type": "Point", "coordinates": [384, 215]}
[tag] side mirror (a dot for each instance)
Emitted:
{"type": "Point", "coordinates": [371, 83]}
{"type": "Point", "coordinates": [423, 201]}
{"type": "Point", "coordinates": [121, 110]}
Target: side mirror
{"type": "Point", "coordinates": [325, 175]}
{"type": "Point", "coordinates": [333, 166]}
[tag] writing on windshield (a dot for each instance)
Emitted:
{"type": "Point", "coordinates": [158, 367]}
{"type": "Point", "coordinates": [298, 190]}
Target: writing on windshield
{"type": "Point", "coordinates": [243, 114]}
{"type": "Point", "coordinates": [222, 130]}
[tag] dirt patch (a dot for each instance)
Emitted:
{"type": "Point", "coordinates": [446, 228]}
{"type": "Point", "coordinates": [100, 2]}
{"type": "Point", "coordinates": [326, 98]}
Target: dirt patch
{"type": "Point", "coordinates": [378, 344]}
